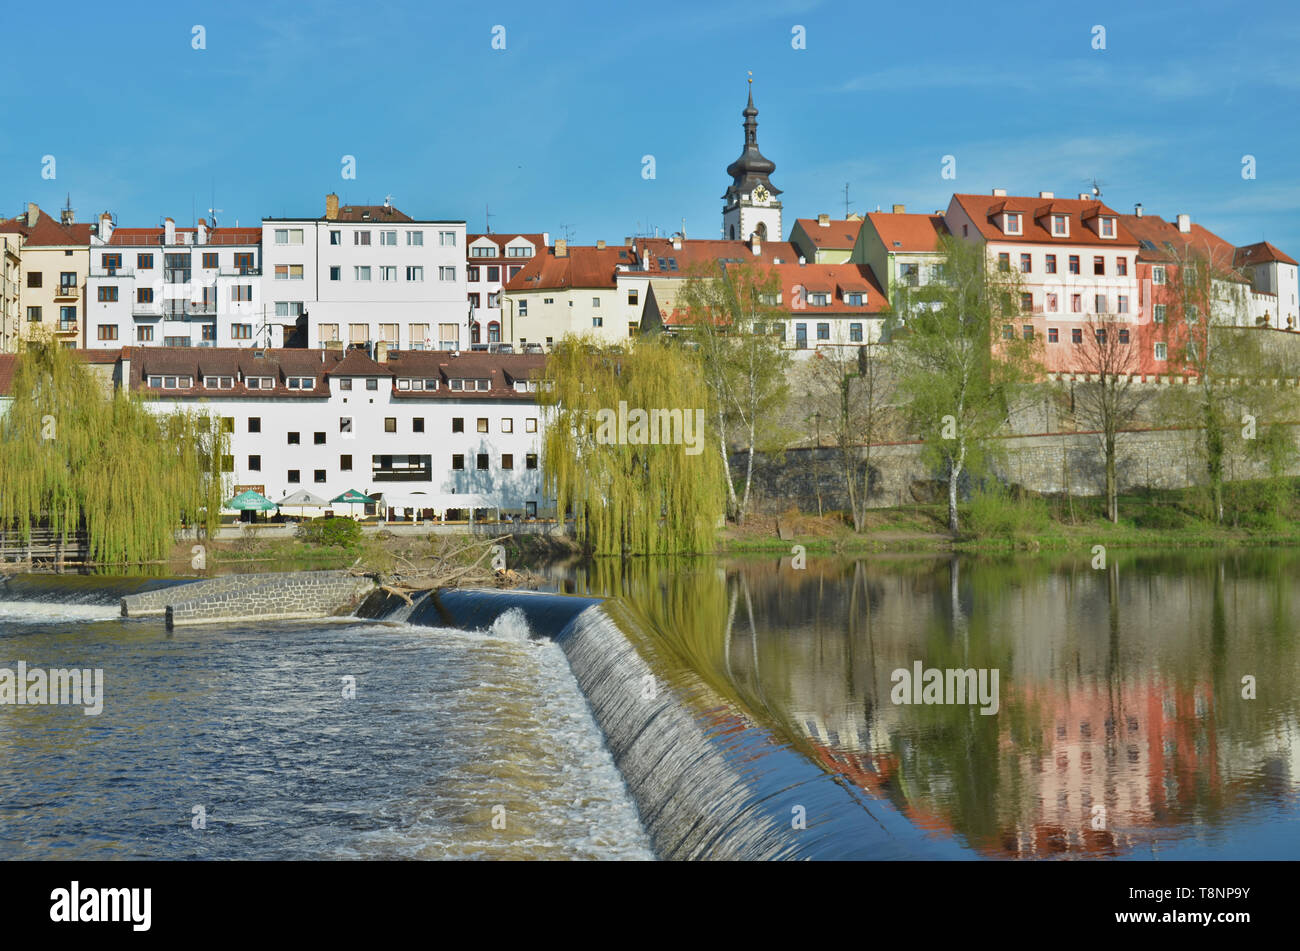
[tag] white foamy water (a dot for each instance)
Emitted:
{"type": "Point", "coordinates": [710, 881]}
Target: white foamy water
{"type": "Point", "coordinates": [43, 611]}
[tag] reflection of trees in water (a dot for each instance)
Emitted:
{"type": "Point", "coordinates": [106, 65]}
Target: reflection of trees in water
{"type": "Point", "coordinates": [1119, 687]}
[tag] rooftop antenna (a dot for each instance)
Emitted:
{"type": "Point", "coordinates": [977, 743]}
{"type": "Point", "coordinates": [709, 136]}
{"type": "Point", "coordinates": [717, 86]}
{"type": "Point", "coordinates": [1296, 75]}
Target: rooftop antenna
{"type": "Point", "coordinates": [683, 229]}
{"type": "Point", "coordinates": [487, 218]}
{"type": "Point", "coordinates": [212, 215]}
{"type": "Point", "coordinates": [388, 202]}
{"type": "Point", "coordinates": [1096, 187]}
{"type": "Point", "coordinates": [847, 203]}
{"type": "Point", "coordinates": [568, 233]}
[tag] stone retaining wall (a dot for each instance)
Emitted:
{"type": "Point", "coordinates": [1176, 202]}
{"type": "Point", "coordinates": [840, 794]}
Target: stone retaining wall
{"type": "Point", "coordinates": [149, 603]}
{"type": "Point", "coordinates": [306, 594]}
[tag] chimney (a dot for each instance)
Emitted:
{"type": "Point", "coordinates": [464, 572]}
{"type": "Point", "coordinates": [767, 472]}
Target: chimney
{"type": "Point", "coordinates": [381, 351]}
{"type": "Point", "coordinates": [999, 193]}
{"type": "Point", "coordinates": [33, 214]}
{"type": "Point", "coordinates": [600, 245]}
{"type": "Point", "coordinates": [677, 242]}
{"type": "Point", "coordinates": [105, 227]}
{"type": "Point", "coordinates": [169, 231]}
{"type": "Point", "coordinates": [823, 221]}
{"type": "Point", "coordinates": [201, 235]}
{"type": "Point", "coordinates": [561, 248]}
{"type": "Point", "coordinates": [1084, 196]}
{"type": "Point", "coordinates": [1137, 210]}
{"type": "Point", "coordinates": [67, 216]}
{"type": "Point", "coordinates": [755, 244]}
{"type": "Point", "coordinates": [1047, 194]}
{"type": "Point", "coordinates": [802, 260]}
{"type": "Point", "coordinates": [627, 242]}
{"type": "Point", "coordinates": [900, 209]}
{"type": "Point", "coordinates": [331, 207]}
{"type": "Point", "coordinates": [1185, 223]}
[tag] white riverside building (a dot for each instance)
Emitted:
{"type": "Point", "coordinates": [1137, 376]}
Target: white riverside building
{"type": "Point", "coordinates": [365, 274]}
{"type": "Point", "coordinates": [177, 287]}
{"type": "Point", "coordinates": [416, 425]}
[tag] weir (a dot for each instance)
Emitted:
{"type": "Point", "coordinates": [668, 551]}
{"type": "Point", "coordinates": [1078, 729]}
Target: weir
{"type": "Point", "coordinates": [709, 781]}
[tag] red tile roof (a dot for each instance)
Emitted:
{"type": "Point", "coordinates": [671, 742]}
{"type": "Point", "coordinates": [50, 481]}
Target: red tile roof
{"type": "Point", "coordinates": [501, 240]}
{"type": "Point", "coordinates": [371, 213]}
{"type": "Point", "coordinates": [837, 280]}
{"type": "Point", "coordinates": [904, 232]}
{"type": "Point", "coordinates": [839, 233]}
{"type": "Point", "coordinates": [358, 363]}
{"type": "Point", "coordinates": [1164, 242]}
{"type": "Point", "coordinates": [1261, 253]}
{"type": "Point", "coordinates": [981, 209]}
{"type": "Point", "coordinates": [152, 237]}
{"type": "Point", "coordinates": [48, 232]}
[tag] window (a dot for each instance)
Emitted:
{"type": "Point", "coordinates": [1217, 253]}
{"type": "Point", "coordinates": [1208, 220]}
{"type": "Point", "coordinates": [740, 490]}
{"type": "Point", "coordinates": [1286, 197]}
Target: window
{"type": "Point", "coordinates": [909, 274]}
{"type": "Point", "coordinates": [388, 239]}
{"type": "Point", "coordinates": [481, 462]}
{"type": "Point", "coordinates": [1076, 335]}
{"type": "Point", "coordinates": [294, 439]}
{"type": "Point", "coordinates": [1098, 265]}
{"type": "Point", "coordinates": [823, 331]}
{"type": "Point", "coordinates": [209, 260]}
{"type": "Point", "coordinates": [294, 476]}
{"type": "Point", "coordinates": [1157, 275]}
{"type": "Point", "coordinates": [415, 273]}
{"type": "Point", "coordinates": [530, 460]}
{"type": "Point", "coordinates": [241, 292]}
{"type": "Point", "coordinates": [33, 315]}
{"type": "Point", "coordinates": [336, 237]}
{"type": "Point", "coordinates": [254, 424]}
{"type": "Point", "coordinates": [632, 295]}
{"type": "Point", "coordinates": [855, 300]}
{"type": "Point", "coordinates": [482, 424]}
{"type": "Point", "coordinates": [1008, 332]}
{"type": "Point", "coordinates": [474, 300]}
{"type": "Point", "coordinates": [483, 252]}
{"type": "Point", "coordinates": [447, 273]}
{"type": "Point", "coordinates": [33, 278]}
{"type": "Point", "coordinates": [336, 272]}
{"type": "Point", "coordinates": [1099, 303]}
{"type": "Point", "coordinates": [144, 295]}
{"type": "Point", "coordinates": [1193, 314]}
{"type": "Point", "coordinates": [1162, 350]}
{"type": "Point", "coordinates": [144, 262]}
{"type": "Point", "coordinates": [259, 382]}
{"type": "Point", "coordinates": [1027, 331]}
{"type": "Point", "coordinates": [1026, 263]}
{"type": "Point", "coordinates": [519, 251]}
{"type": "Point", "coordinates": [390, 424]}
{"type": "Point", "coordinates": [1004, 261]}
{"type": "Point", "coordinates": [598, 321]}
{"type": "Point", "coordinates": [523, 307]}
{"type": "Point", "coordinates": [471, 273]}
{"type": "Point", "coordinates": [1076, 303]}
{"type": "Point", "coordinates": [345, 463]}
{"type": "Point", "coordinates": [1123, 335]}
{"type": "Point", "coordinates": [493, 274]}
{"type": "Point", "coordinates": [300, 382]}
{"type": "Point", "coordinates": [112, 262]}
{"type": "Point", "coordinates": [1158, 315]}
{"type": "Point", "coordinates": [345, 424]}
{"type": "Point", "coordinates": [288, 236]}
{"type": "Point", "coordinates": [208, 332]}
{"type": "Point", "coordinates": [507, 424]}
{"type": "Point", "coordinates": [372, 383]}
{"type": "Point", "coordinates": [458, 461]}
{"type": "Point", "coordinates": [288, 272]}
{"type": "Point", "coordinates": [1051, 264]}
{"type": "Point", "coordinates": [220, 383]}
{"type": "Point", "coordinates": [108, 292]}
{"type": "Point", "coordinates": [1012, 222]}
{"type": "Point", "coordinates": [144, 334]}
{"type": "Point", "coordinates": [417, 424]}
{"type": "Point", "coordinates": [388, 273]}
{"type": "Point", "coordinates": [1053, 335]}
{"type": "Point", "coordinates": [1061, 225]}
{"type": "Point", "coordinates": [1074, 264]}
{"type": "Point", "coordinates": [548, 300]}
{"type": "Point", "coordinates": [855, 333]}
{"type": "Point", "coordinates": [1100, 334]}
{"type": "Point", "coordinates": [361, 273]}
{"type": "Point", "coordinates": [255, 463]}
{"type": "Point", "coordinates": [318, 475]}
{"type": "Point", "coordinates": [447, 239]}
{"type": "Point", "coordinates": [415, 239]}
{"type": "Point", "coordinates": [1051, 303]}
{"type": "Point", "coordinates": [1107, 227]}
{"type": "Point", "coordinates": [458, 424]}
{"type": "Point", "coordinates": [507, 460]}
{"type": "Point", "coordinates": [530, 424]}
{"type": "Point", "coordinates": [107, 331]}
{"type": "Point", "coordinates": [318, 439]}
{"type": "Point", "coordinates": [288, 308]}
{"type": "Point", "coordinates": [1121, 267]}
{"type": "Point", "coordinates": [361, 238]}
{"type": "Point", "coordinates": [1027, 303]}
{"type": "Point", "coordinates": [1122, 304]}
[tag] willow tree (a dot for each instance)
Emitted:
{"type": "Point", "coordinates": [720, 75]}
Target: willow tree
{"type": "Point", "coordinates": [625, 447]}
{"type": "Point", "coordinates": [76, 456]}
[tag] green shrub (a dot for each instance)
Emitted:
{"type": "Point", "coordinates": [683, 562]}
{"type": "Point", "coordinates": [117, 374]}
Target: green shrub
{"type": "Point", "coordinates": [1158, 517]}
{"type": "Point", "coordinates": [336, 532]}
{"type": "Point", "coordinates": [994, 513]}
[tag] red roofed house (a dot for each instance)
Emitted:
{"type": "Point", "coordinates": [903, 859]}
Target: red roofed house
{"type": "Point", "coordinates": [1272, 275]}
{"type": "Point", "coordinates": [177, 287]}
{"type": "Point", "coordinates": [1076, 260]}
{"type": "Point", "coordinates": [824, 240]}
{"type": "Point", "coordinates": [50, 282]}
{"type": "Point", "coordinates": [902, 249]}
{"type": "Point", "coordinates": [491, 261]}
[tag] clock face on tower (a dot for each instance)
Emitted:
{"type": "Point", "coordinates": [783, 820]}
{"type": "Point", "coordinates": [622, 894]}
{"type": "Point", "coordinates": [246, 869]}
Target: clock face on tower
{"type": "Point", "coordinates": [760, 194]}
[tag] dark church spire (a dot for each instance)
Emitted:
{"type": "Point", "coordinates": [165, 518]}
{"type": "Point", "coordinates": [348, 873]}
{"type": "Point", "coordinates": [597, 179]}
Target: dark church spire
{"type": "Point", "coordinates": [752, 168]}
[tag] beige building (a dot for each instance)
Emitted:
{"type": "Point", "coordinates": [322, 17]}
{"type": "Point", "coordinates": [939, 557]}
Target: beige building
{"type": "Point", "coordinates": [55, 254]}
{"type": "Point", "coordinates": [10, 289]}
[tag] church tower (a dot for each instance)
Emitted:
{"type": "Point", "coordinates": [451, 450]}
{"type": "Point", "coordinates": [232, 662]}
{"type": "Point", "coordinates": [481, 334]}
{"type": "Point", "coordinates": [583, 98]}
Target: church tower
{"type": "Point", "coordinates": [751, 203]}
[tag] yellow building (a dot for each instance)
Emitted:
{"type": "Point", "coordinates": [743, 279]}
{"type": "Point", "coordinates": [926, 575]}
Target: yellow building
{"type": "Point", "coordinates": [55, 261]}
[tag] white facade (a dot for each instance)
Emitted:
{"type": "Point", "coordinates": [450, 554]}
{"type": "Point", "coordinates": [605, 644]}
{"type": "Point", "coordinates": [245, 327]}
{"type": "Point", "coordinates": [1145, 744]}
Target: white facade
{"type": "Point", "coordinates": [369, 274]}
{"type": "Point", "coordinates": [181, 287]}
{"type": "Point", "coordinates": [491, 261]}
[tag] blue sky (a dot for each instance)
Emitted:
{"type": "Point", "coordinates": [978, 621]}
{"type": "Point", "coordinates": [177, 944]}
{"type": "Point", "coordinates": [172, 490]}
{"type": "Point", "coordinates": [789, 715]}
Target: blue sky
{"type": "Point", "coordinates": [551, 131]}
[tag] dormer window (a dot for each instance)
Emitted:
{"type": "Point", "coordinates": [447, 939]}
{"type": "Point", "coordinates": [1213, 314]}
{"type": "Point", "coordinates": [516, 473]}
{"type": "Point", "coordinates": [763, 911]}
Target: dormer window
{"type": "Point", "coordinates": [1011, 222]}
{"type": "Point", "coordinates": [855, 299]}
{"type": "Point", "coordinates": [819, 300]}
{"type": "Point", "coordinates": [1060, 226]}
{"type": "Point", "coordinates": [1106, 226]}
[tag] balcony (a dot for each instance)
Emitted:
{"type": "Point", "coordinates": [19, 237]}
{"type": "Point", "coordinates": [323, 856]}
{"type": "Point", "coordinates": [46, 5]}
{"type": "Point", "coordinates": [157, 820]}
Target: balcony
{"type": "Point", "coordinates": [176, 309]}
{"type": "Point", "coordinates": [102, 272]}
{"type": "Point", "coordinates": [68, 292]}
{"type": "Point", "coordinates": [68, 327]}
{"type": "Point", "coordinates": [249, 271]}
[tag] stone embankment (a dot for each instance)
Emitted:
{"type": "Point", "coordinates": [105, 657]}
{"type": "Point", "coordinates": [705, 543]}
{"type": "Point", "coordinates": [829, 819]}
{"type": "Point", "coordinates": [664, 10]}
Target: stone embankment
{"type": "Point", "coordinates": [267, 596]}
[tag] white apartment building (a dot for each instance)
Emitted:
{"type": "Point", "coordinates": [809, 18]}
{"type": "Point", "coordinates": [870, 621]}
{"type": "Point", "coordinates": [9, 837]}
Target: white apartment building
{"type": "Point", "coordinates": [176, 287]}
{"type": "Point", "coordinates": [423, 427]}
{"type": "Point", "coordinates": [364, 274]}
{"type": "Point", "coordinates": [490, 261]}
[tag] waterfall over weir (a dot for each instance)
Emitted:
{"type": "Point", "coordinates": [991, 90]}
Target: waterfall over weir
{"type": "Point", "coordinates": [708, 781]}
